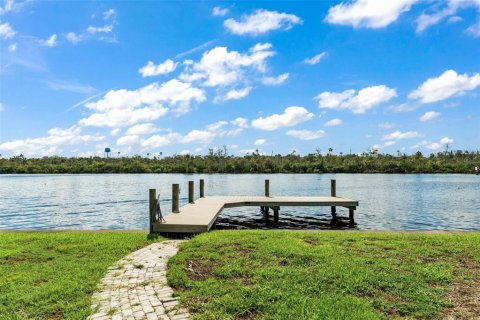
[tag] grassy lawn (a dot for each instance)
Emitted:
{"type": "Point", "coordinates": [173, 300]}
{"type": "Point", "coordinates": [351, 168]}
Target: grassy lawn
{"type": "Point", "coordinates": [328, 275]}
{"type": "Point", "coordinates": [51, 275]}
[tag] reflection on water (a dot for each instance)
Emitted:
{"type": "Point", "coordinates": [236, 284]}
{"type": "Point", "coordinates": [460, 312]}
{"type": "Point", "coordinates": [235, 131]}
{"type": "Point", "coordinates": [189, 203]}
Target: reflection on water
{"type": "Point", "coordinates": [120, 201]}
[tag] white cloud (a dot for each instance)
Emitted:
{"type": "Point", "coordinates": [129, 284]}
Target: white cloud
{"type": "Point", "coordinates": [124, 117]}
{"type": "Point", "coordinates": [48, 145]}
{"type": "Point", "coordinates": [448, 84]}
{"type": "Point", "coordinates": [389, 143]}
{"type": "Point", "coordinates": [219, 11]}
{"type": "Point", "coordinates": [150, 69]}
{"type": "Point", "coordinates": [289, 118]}
{"type": "Point", "coordinates": [9, 6]}
{"type": "Point", "coordinates": [111, 13]}
{"type": "Point", "coordinates": [216, 126]}
{"type": "Point", "coordinates": [50, 42]}
{"type": "Point", "coordinates": [122, 107]}
{"type": "Point", "coordinates": [455, 19]}
{"type": "Point", "coordinates": [234, 94]}
{"type": "Point", "coordinates": [426, 20]}
{"type": "Point", "coordinates": [306, 134]}
{"type": "Point", "coordinates": [360, 102]}
{"type": "Point", "coordinates": [6, 31]}
{"type": "Point", "coordinates": [333, 122]}
{"type": "Point", "coordinates": [220, 67]}
{"type": "Point", "coordinates": [386, 144]}
{"type": "Point", "coordinates": [446, 140]}
{"type": "Point", "coordinates": [115, 132]}
{"type": "Point", "coordinates": [203, 136]}
{"type": "Point", "coordinates": [316, 59]}
{"type": "Point", "coordinates": [141, 129]}
{"type": "Point", "coordinates": [13, 6]}
{"type": "Point", "coordinates": [449, 9]}
{"type": "Point", "coordinates": [385, 125]}
{"type": "Point", "coordinates": [260, 142]}
{"type": "Point", "coordinates": [63, 85]}
{"type": "Point", "coordinates": [433, 145]}
{"type": "Point", "coordinates": [398, 135]}
{"type": "Point", "coordinates": [368, 13]}
{"type": "Point", "coordinates": [261, 21]}
{"type": "Point", "coordinates": [74, 38]}
{"type": "Point", "coordinates": [234, 132]}
{"type": "Point", "coordinates": [200, 136]}
{"type": "Point", "coordinates": [403, 107]}
{"type": "Point", "coordinates": [184, 152]}
{"type": "Point", "coordinates": [240, 122]}
{"type": "Point", "coordinates": [273, 81]}
{"type": "Point", "coordinates": [474, 29]}
{"type": "Point", "coordinates": [157, 141]}
{"type": "Point", "coordinates": [105, 29]}
{"type": "Point", "coordinates": [12, 47]}
{"type": "Point", "coordinates": [128, 140]}
{"type": "Point", "coordinates": [429, 115]}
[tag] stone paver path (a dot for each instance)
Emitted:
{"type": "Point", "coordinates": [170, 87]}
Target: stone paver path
{"type": "Point", "coordinates": [136, 287]}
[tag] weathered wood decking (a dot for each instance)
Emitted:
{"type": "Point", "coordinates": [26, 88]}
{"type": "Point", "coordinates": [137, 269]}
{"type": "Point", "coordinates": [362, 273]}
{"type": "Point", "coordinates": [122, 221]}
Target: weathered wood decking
{"type": "Point", "coordinates": [199, 216]}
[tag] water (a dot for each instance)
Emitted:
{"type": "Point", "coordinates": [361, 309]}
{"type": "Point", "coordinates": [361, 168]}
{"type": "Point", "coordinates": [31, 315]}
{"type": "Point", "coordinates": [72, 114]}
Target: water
{"type": "Point", "coordinates": [120, 201]}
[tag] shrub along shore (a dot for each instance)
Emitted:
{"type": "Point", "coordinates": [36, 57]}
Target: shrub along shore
{"type": "Point", "coordinates": [221, 162]}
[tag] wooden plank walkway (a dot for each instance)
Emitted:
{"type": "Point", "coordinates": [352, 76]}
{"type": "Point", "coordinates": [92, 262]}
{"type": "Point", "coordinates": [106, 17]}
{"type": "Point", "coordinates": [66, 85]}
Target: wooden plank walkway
{"type": "Point", "coordinates": [199, 216]}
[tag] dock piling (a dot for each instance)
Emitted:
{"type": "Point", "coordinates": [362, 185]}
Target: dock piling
{"type": "Point", "coordinates": [267, 188]}
{"type": "Point", "coordinates": [333, 193]}
{"type": "Point", "coordinates": [276, 209]}
{"type": "Point", "coordinates": [351, 211]}
{"type": "Point", "coordinates": [202, 188]}
{"type": "Point", "coordinates": [152, 198]}
{"type": "Point", "coordinates": [266, 213]}
{"type": "Point", "coordinates": [175, 197]}
{"type": "Point", "coordinates": [190, 192]}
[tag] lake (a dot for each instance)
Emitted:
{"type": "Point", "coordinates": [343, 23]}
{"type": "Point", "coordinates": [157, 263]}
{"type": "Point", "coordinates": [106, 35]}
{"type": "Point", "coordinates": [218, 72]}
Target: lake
{"type": "Point", "coordinates": [120, 201]}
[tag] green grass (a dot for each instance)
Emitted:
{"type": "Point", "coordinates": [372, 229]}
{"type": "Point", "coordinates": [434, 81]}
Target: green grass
{"type": "Point", "coordinates": [52, 275]}
{"type": "Point", "coordinates": [322, 275]}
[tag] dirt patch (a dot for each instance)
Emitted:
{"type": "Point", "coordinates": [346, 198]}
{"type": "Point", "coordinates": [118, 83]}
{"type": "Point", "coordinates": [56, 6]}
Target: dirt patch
{"type": "Point", "coordinates": [467, 263]}
{"type": "Point", "coordinates": [200, 270]}
{"type": "Point", "coordinates": [465, 300]}
{"type": "Point", "coordinates": [464, 296]}
{"type": "Point", "coordinates": [11, 260]}
{"type": "Point", "coordinates": [313, 242]}
{"type": "Point", "coordinates": [247, 316]}
{"type": "Point", "coordinates": [429, 259]}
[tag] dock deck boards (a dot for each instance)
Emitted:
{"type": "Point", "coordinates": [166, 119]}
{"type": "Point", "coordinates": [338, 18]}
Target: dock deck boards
{"type": "Point", "coordinates": [200, 216]}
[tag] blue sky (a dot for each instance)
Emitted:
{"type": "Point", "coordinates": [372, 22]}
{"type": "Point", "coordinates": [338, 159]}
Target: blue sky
{"type": "Point", "coordinates": [184, 77]}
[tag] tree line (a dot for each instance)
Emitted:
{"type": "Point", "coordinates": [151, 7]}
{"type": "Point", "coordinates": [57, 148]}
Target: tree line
{"type": "Point", "coordinates": [221, 162]}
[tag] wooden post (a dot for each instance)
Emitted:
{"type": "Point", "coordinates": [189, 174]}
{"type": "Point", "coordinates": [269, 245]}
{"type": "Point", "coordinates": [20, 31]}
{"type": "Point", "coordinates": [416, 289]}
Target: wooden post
{"type": "Point", "coordinates": [190, 192]}
{"type": "Point", "coordinates": [275, 213]}
{"type": "Point", "coordinates": [202, 188]}
{"type": "Point", "coordinates": [266, 213]}
{"type": "Point", "coordinates": [333, 193]}
{"type": "Point", "coordinates": [152, 198]}
{"type": "Point", "coordinates": [267, 188]}
{"type": "Point", "coordinates": [175, 197]}
{"type": "Point", "coordinates": [351, 211]}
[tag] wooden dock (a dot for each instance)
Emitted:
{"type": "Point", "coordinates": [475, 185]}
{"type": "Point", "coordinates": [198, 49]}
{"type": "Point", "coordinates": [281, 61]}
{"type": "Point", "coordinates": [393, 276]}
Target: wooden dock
{"type": "Point", "coordinates": [199, 215]}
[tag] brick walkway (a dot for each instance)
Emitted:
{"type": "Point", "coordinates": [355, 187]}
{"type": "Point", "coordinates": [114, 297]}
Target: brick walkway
{"type": "Point", "coordinates": [136, 287]}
